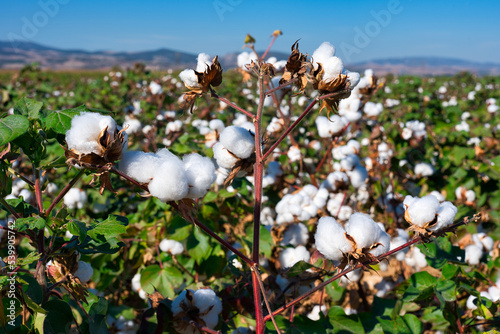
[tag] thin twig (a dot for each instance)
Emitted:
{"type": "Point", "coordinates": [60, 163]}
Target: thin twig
{"type": "Point", "coordinates": [64, 192]}
{"type": "Point", "coordinates": [229, 103]}
{"type": "Point", "coordinates": [289, 82]}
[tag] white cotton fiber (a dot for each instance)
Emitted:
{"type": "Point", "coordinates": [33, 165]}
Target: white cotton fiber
{"type": "Point", "coordinates": [373, 109]}
{"type": "Point", "coordinates": [384, 241]}
{"type": "Point", "coordinates": [75, 198]}
{"type": "Point", "coordinates": [84, 271]}
{"type": "Point", "coordinates": [358, 176]}
{"type": "Point", "coordinates": [223, 157]}
{"type": "Point", "coordinates": [330, 239]}
{"type": "Point", "coordinates": [189, 78]}
{"type": "Point", "coordinates": [84, 132]}
{"type": "Point", "coordinates": [140, 166]}
{"type": "Point", "coordinates": [204, 60]}
{"type": "Point", "coordinates": [209, 305]}
{"type": "Point", "coordinates": [136, 282]}
{"type": "Point", "coordinates": [296, 235]}
{"type": "Point", "coordinates": [349, 162]}
{"type": "Point", "coordinates": [333, 68]}
{"type": "Point", "coordinates": [363, 229]}
{"type": "Point", "coordinates": [446, 214]}
{"type": "Point", "coordinates": [473, 254]}
{"type": "Point", "coordinates": [294, 154]}
{"type": "Point", "coordinates": [424, 169]}
{"type": "Point", "coordinates": [245, 58]}
{"type": "Point", "coordinates": [353, 78]}
{"type": "Point", "coordinates": [438, 195]}
{"type": "Point", "coordinates": [290, 256]}
{"type": "Point", "coordinates": [172, 246]}
{"type": "Point", "coordinates": [421, 210]}
{"type": "Point", "coordinates": [216, 124]}
{"type": "Point", "coordinates": [170, 182]}
{"type": "Point", "coordinates": [238, 140]}
{"type": "Point", "coordinates": [200, 172]}
{"type": "Point", "coordinates": [322, 53]}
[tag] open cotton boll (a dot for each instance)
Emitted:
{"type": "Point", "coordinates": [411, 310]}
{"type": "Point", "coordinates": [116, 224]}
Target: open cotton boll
{"type": "Point", "coordinates": [294, 154]}
{"type": "Point", "coordinates": [482, 240]}
{"type": "Point", "coordinates": [349, 162]}
{"type": "Point", "coordinates": [209, 305]}
{"type": "Point", "coordinates": [140, 166]}
{"type": "Point", "coordinates": [296, 235]}
{"type": "Point", "coordinates": [290, 256]}
{"type": "Point", "coordinates": [421, 210]}
{"type": "Point", "coordinates": [238, 140]}
{"type": "Point", "coordinates": [446, 214]}
{"type": "Point", "coordinates": [84, 132]}
{"type": "Point", "coordinates": [75, 198]}
{"type": "Point", "coordinates": [132, 125]}
{"type": "Point", "coordinates": [155, 88]}
{"type": "Point", "coordinates": [216, 124]}
{"type": "Point", "coordinates": [335, 179]}
{"type": "Point", "coordinates": [84, 271]}
{"type": "Point", "coordinates": [200, 173]}
{"type": "Point", "coordinates": [424, 169]}
{"type": "Point", "coordinates": [204, 60]}
{"type": "Point", "coordinates": [384, 241]}
{"type": "Point", "coordinates": [353, 78]}
{"type": "Point", "coordinates": [358, 176]}
{"type": "Point", "coordinates": [223, 157]}
{"type": "Point", "coordinates": [330, 239]}
{"type": "Point", "coordinates": [397, 242]}
{"type": "Point", "coordinates": [245, 58]}
{"type": "Point", "coordinates": [170, 182]}
{"type": "Point", "coordinates": [136, 282]}
{"type": "Point", "coordinates": [332, 67]}
{"type": "Point", "coordinates": [438, 195]}
{"type": "Point", "coordinates": [471, 304]}
{"type": "Point", "coordinates": [328, 127]}
{"type": "Point", "coordinates": [189, 78]}
{"type": "Point", "coordinates": [373, 109]}
{"type": "Point", "coordinates": [363, 229]}
{"type": "Point", "coordinates": [322, 53]}
{"type": "Point", "coordinates": [172, 246]}
{"type": "Point", "coordinates": [415, 258]}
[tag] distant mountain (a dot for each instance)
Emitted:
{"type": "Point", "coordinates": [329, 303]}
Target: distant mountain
{"type": "Point", "coordinates": [16, 55]}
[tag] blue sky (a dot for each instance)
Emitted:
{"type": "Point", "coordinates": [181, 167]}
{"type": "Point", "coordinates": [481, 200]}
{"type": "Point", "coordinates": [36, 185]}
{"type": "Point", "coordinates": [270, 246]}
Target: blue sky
{"type": "Point", "coordinates": [360, 30]}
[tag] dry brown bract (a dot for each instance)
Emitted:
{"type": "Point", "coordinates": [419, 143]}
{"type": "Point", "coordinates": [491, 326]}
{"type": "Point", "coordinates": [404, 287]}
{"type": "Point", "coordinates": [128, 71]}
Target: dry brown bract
{"type": "Point", "coordinates": [111, 146]}
{"type": "Point", "coordinates": [61, 272]}
{"type": "Point", "coordinates": [211, 77]}
{"type": "Point", "coordinates": [338, 85]}
{"type": "Point", "coordinates": [296, 67]}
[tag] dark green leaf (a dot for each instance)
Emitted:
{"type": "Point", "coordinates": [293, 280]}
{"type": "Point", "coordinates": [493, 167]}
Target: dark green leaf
{"type": "Point", "coordinates": [60, 121]}
{"type": "Point", "coordinates": [78, 228]}
{"type": "Point", "coordinates": [31, 223]}
{"type": "Point", "coordinates": [27, 107]}
{"type": "Point", "coordinates": [446, 289]}
{"type": "Point", "coordinates": [59, 317]}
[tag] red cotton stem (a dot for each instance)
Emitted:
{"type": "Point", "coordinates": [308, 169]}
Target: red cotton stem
{"type": "Point", "coordinates": [231, 104]}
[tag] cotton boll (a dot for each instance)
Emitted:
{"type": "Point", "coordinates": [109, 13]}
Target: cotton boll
{"type": "Point", "coordinates": [494, 292]}
{"type": "Point", "coordinates": [189, 78]}
{"type": "Point", "coordinates": [482, 240]}
{"type": "Point", "coordinates": [353, 78]}
{"type": "Point", "coordinates": [330, 239]}
{"type": "Point", "coordinates": [290, 256]}
{"type": "Point", "coordinates": [294, 154]}
{"type": "Point", "coordinates": [373, 109]}
{"type": "Point", "coordinates": [296, 235]}
{"type": "Point", "coordinates": [136, 282]}
{"type": "Point", "coordinates": [385, 242]}
{"type": "Point", "coordinates": [245, 58]}
{"type": "Point", "coordinates": [345, 213]}
{"type": "Point", "coordinates": [353, 276]}
{"type": "Point", "coordinates": [155, 88]}
{"type": "Point", "coordinates": [424, 169]}
{"type": "Point", "coordinates": [75, 198]}
{"type": "Point", "coordinates": [84, 271]}
{"type": "Point", "coordinates": [332, 67]}
{"type": "Point", "coordinates": [349, 162]}
{"type": "Point", "coordinates": [415, 258]}
{"type": "Point", "coordinates": [209, 305]}
{"type": "Point", "coordinates": [358, 176]}
{"type": "Point", "coordinates": [446, 214]}
{"type": "Point", "coordinates": [422, 210]}
{"type": "Point", "coordinates": [132, 125]}
{"type": "Point", "coordinates": [26, 195]}
{"type": "Point", "coordinates": [170, 182]}
{"type": "Point", "coordinates": [171, 246]}
{"type": "Point", "coordinates": [438, 195]}
{"type": "Point", "coordinates": [323, 53]}
{"type": "Point", "coordinates": [334, 180]}
{"type": "Point", "coordinates": [363, 229]}
{"type": "Point", "coordinates": [329, 127]}
{"type": "Point", "coordinates": [204, 60]}
{"type": "Point", "coordinates": [397, 242]}
{"type": "Point", "coordinates": [238, 140]}
{"type": "Point", "coordinates": [216, 124]}
{"type": "Point", "coordinates": [383, 287]}
{"type": "Point", "coordinates": [200, 173]}
{"type": "Point", "coordinates": [140, 166]}
{"type": "Point", "coordinates": [84, 132]}
{"type": "Point", "coordinates": [223, 157]}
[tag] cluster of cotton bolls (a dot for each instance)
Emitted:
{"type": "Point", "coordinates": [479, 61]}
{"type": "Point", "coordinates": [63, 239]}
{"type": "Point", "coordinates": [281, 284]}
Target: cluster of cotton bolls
{"type": "Point", "coordinates": [356, 172]}
{"type": "Point", "coordinates": [19, 190]}
{"type": "Point", "coordinates": [155, 88]}
{"type": "Point", "coordinates": [413, 129]}
{"type": "Point", "coordinates": [202, 304]}
{"type": "Point", "coordinates": [481, 244]}
{"type": "Point", "coordinates": [491, 105]}
{"type": "Point", "coordinates": [467, 196]}
{"type": "Point", "coordinates": [365, 237]}
{"type": "Point", "coordinates": [302, 205]}
{"type": "Point", "coordinates": [389, 103]}
{"type": "Point", "coordinates": [235, 143]}
{"type": "Point", "coordinates": [428, 213]}
{"type": "Point", "coordinates": [75, 198]}
{"type": "Point", "coordinates": [493, 294]}
{"type": "Point", "coordinates": [168, 177]}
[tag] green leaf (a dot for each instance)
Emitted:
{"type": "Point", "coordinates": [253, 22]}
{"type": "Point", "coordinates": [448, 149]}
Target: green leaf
{"type": "Point", "coordinates": [78, 228]}
{"type": "Point", "coordinates": [198, 245]}
{"type": "Point", "coordinates": [12, 127]}
{"type": "Point", "coordinates": [30, 223]}
{"type": "Point", "coordinates": [28, 259]}
{"type": "Point", "coordinates": [60, 121]}
{"type": "Point", "coordinates": [447, 289]}
{"type": "Point", "coordinates": [59, 317]}
{"type": "Point", "coordinates": [449, 270]}
{"type": "Point", "coordinates": [108, 230]}
{"type": "Point", "coordinates": [413, 323]}
{"type": "Point", "coordinates": [39, 321]}
{"type": "Point", "coordinates": [298, 268]}
{"type": "Point", "coordinates": [165, 280]}
{"type": "Point", "coordinates": [345, 323]}
{"type": "Point", "coordinates": [27, 107]}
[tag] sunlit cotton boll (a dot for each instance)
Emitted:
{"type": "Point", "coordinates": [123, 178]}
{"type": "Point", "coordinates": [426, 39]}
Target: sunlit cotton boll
{"type": "Point", "coordinates": [204, 304]}
{"type": "Point", "coordinates": [132, 125]}
{"type": "Point", "coordinates": [170, 182]}
{"type": "Point", "coordinates": [373, 109]}
{"type": "Point", "coordinates": [424, 169]}
{"type": "Point", "coordinates": [223, 157]}
{"type": "Point", "coordinates": [358, 176]}
{"type": "Point", "coordinates": [173, 247]}
{"type": "Point", "coordinates": [84, 271]}
{"type": "Point", "coordinates": [329, 127]}
{"type": "Point", "coordinates": [330, 239]}
{"type": "Point", "coordinates": [290, 256]}
{"type": "Point", "coordinates": [75, 198]}
{"type": "Point", "coordinates": [200, 173]}
{"type": "Point", "coordinates": [238, 140]}
{"type": "Point", "coordinates": [363, 229]}
{"type": "Point", "coordinates": [188, 76]}
{"type": "Point", "coordinates": [245, 58]}
{"type": "Point", "coordinates": [421, 210]}
{"type": "Point", "coordinates": [415, 258]}
{"type": "Point", "coordinates": [296, 235]}
{"type": "Point", "coordinates": [445, 215]}
{"type": "Point", "coordinates": [84, 132]}
{"type": "Point", "coordinates": [155, 88]}
{"type": "Point", "coordinates": [140, 166]}
{"type": "Point", "coordinates": [294, 154]}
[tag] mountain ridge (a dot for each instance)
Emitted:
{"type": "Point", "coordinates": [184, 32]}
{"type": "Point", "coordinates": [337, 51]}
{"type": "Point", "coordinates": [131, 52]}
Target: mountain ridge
{"type": "Point", "coordinates": [15, 55]}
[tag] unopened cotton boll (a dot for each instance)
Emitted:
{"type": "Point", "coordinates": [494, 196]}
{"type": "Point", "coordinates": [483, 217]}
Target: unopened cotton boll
{"type": "Point", "coordinates": [84, 133]}
{"type": "Point", "coordinates": [75, 198]}
{"type": "Point", "coordinates": [140, 166]}
{"type": "Point", "coordinates": [238, 141]}
{"type": "Point", "coordinates": [421, 210]}
{"type": "Point", "coordinates": [173, 247]}
{"type": "Point", "coordinates": [200, 173]}
{"type": "Point", "coordinates": [290, 256]}
{"type": "Point", "coordinates": [330, 239]}
{"type": "Point", "coordinates": [84, 271]}
{"type": "Point", "coordinates": [296, 235]}
{"type": "Point", "coordinates": [170, 182]}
